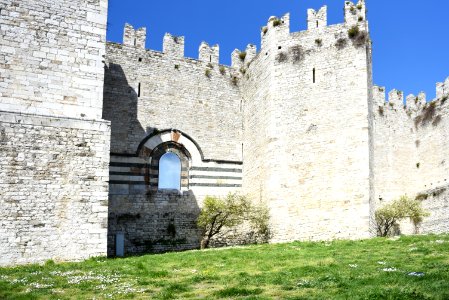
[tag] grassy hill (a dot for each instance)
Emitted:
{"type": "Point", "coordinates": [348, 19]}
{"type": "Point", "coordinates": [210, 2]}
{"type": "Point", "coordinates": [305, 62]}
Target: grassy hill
{"type": "Point", "coordinates": [415, 267]}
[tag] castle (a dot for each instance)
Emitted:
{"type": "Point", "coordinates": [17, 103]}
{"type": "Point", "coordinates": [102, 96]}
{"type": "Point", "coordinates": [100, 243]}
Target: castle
{"type": "Point", "coordinates": [298, 126]}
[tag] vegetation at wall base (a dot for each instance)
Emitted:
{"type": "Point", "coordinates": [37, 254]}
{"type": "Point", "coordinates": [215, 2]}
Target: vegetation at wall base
{"type": "Point", "coordinates": [388, 216]}
{"type": "Point", "coordinates": [412, 267]}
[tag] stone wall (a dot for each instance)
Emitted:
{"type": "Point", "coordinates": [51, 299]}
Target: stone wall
{"type": "Point", "coordinates": [411, 151]}
{"type": "Point", "coordinates": [51, 57]}
{"type": "Point", "coordinates": [146, 90]}
{"type": "Point", "coordinates": [54, 147]}
{"type": "Point", "coordinates": [306, 131]}
{"type": "Point", "coordinates": [53, 188]}
{"type": "Point", "coordinates": [143, 213]}
{"type": "Point", "coordinates": [163, 221]}
{"type": "Point", "coordinates": [163, 102]}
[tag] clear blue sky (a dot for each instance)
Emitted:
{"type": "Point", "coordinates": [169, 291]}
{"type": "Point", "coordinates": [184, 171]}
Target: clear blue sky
{"type": "Point", "coordinates": [411, 38]}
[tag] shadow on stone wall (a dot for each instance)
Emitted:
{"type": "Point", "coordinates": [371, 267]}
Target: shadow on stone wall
{"type": "Point", "coordinates": [159, 222]}
{"type": "Point", "coordinates": [151, 221]}
{"type": "Point", "coordinates": [120, 103]}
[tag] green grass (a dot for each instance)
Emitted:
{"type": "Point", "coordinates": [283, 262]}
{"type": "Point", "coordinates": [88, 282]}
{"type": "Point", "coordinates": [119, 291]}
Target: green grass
{"type": "Point", "coordinates": [370, 269]}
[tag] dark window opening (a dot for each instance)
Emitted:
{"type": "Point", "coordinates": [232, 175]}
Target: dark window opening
{"type": "Point", "coordinates": [140, 59]}
{"type": "Point", "coordinates": [314, 75]}
{"type": "Point", "coordinates": [138, 90]}
{"type": "Point", "coordinates": [135, 42]}
{"type": "Point", "coordinates": [316, 24]}
{"type": "Point", "coordinates": [279, 47]}
{"type": "Point", "coordinates": [210, 58]}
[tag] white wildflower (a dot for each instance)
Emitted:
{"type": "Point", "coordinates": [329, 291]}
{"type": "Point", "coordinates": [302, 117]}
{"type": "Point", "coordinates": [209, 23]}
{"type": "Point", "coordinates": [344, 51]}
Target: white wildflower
{"type": "Point", "coordinates": [389, 269]}
{"type": "Point", "coordinates": [417, 274]}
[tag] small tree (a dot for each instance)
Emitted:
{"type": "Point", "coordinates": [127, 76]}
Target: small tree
{"type": "Point", "coordinates": [229, 212]}
{"type": "Point", "coordinates": [391, 213]}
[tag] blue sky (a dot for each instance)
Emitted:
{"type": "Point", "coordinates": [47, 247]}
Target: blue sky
{"type": "Point", "coordinates": [411, 38]}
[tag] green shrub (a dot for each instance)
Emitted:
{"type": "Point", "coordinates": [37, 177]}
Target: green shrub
{"type": "Point", "coordinates": [319, 42]}
{"type": "Point", "coordinates": [208, 73]}
{"type": "Point", "coordinates": [264, 29]}
{"type": "Point", "coordinates": [387, 216]}
{"type": "Point", "coordinates": [222, 70]}
{"type": "Point", "coordinates": [353, 32]}
{"type": "Point", "coordinates": [218, 214]}
{"type": "Point", "coordinates": [242, 55]}
{"type": "Point", "coordinates": [276, 22]}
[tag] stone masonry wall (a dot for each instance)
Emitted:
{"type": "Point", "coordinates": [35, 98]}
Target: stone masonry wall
{"type": "Point", "coordinates": [147, 90]}
{"type": "Point", "coordinates": [53, 188]}
{"type": "Point", "coordinates": [54, 147]}
{"type": "Point", "coordinates": [173, 101]}
{"type": "Point", "coordinates": [411, 152]}
{"type": "Point", "coordinates": [51, 56]}
{"type": "Point", "coordinates": [315, 133]}
{"type": "Point", "coordinates": [164, 221]}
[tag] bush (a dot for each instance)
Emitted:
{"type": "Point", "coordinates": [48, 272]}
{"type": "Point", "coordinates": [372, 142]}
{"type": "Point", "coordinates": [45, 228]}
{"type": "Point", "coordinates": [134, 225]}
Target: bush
{"type": "Point", "coordinates": [218, 214]}
{"type": "Point", "coordinates": [276, 22]}
{"type": "Point", "coordinates": [387, 216]}
{"type": "Point", "coordinates": [353, 32]}
{"type": "Point", "coordinates": [242, 55]}
{"type": "Point", "coordinates": [222, 70]}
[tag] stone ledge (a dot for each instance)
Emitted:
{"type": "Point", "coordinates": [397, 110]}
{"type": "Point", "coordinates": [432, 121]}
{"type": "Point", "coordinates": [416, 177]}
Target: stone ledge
{"type": "Point", "coordinates": [54, 121]}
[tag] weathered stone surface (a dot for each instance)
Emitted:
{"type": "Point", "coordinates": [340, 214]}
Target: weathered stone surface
{"type": "Point", "coordinates": [54, 146]}
{"type": "Point", "coordinates": [297, 126]}
{"type": "Point", "coordinates": [53, 195]}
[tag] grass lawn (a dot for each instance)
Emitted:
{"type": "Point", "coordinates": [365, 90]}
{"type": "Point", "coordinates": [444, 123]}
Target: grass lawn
{"type": "Point", "coordinates": [415, 267]}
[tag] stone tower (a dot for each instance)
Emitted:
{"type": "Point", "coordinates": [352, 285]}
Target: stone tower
{"type": "Point", "coordinates": [306, 126]}
{"type": "Point", "coordinates": [54, 145]}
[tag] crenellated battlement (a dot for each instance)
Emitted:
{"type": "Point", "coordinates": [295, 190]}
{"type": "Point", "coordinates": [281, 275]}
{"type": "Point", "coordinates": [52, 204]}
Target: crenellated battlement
{"type": "Point", "coordinates": [412, 102]}
{"type": "Point", "coordinates": [173, 45]}
{"type": "Point", "coordinates": [316, 19]}
{"type": "Point", "coordinates": [396, 97]}
{"type": "Point", "coordinates": [443, 88]}
{"type": "Point", "coordinates": [209, 54]}
{"type": "Point", "coordinates": [355, 13]}
{"type": "Point", "coordinates": [276, 29]}
{"type": "Point", "coordinates": [241, 59]}
{"type": "Point", "coordinates": [134, 37]}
